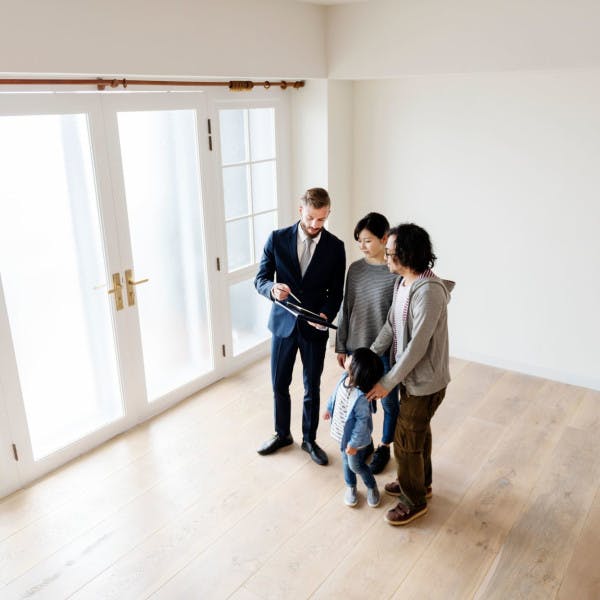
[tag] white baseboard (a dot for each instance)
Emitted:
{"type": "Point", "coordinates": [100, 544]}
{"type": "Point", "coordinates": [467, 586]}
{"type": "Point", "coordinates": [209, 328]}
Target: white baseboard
{"type": "Point", "coordinates": [586, 381]}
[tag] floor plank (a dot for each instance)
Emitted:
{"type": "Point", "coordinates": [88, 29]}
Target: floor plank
{"type": "Point", "coordinates": [466, 546]}
{"type": "Point", "coordinates": [535, 554]}
{"type": "Point", "coordinates": [183, 507]}
{"type": "Point", "coordinates": [228, 563]}
{"type": "Point", "coordinates": [385, 555]}
{"type": "Point", "coordinates": [582, 577]}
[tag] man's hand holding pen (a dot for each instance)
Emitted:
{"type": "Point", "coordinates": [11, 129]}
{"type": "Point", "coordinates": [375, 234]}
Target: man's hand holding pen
{"type": "Point", "coordinates": [280, 291]}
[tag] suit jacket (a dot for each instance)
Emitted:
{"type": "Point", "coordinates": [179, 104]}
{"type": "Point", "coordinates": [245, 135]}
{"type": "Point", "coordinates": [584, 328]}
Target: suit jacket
{"type": "Point", "coordinates": [320, 290]}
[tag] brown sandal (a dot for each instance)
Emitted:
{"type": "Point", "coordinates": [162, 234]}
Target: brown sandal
{"type": "Point", "coordinates": [402, 514]}
{"type": "Point", "coordinates": [393, 489]}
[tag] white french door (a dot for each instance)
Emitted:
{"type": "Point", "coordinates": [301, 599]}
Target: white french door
{"type": "Point", "coordinates": [158, 164]}
{"type": "Point", "coordinates": [60, 341]}
{"type": "Point", "coordinates": [252, 160]}
{"type": "Point", "coordinates": [128, 246]}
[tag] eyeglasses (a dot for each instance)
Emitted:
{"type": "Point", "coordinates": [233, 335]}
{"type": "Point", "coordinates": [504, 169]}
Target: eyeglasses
{"type": "Point", "coordinates": [389, 254]}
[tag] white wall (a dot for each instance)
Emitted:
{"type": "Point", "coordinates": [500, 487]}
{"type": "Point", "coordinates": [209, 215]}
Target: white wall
{"type": "Point", "coordinates": [309, 138]}
{"type": "Point", "coordinates": [224, 38]}
{"type": "Point", "coordinates": [503, 171]}
{"type": "Point", "coordinates": [340, 101]}
{"type": "Point", "coordinates": [482, 123]}
{"type": "Point", "coordinates": [389, 38]}
{"type": "Point", "coordinates": [322, 147]}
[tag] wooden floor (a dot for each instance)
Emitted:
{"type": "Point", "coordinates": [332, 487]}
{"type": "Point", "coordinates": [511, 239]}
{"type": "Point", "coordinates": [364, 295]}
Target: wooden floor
{"type": "Point", "coordinates": [183, 507]}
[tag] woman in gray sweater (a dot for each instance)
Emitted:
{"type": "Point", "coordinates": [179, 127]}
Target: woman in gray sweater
{"type": "Point", "coordinates": [367, 299]}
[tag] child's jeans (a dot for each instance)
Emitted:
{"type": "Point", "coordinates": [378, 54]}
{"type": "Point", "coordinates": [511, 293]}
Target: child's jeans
{"type": "Point", "coordinates": [356, 465]}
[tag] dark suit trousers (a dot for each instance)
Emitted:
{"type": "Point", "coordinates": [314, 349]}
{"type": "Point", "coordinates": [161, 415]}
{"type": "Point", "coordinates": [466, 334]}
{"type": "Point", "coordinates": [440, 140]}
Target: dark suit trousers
{"type": "Point", "coordinates": [283, 356]}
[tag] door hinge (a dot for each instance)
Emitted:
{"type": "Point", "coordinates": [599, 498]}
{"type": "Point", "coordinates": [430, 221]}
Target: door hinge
{"type": "Point", "coordinates": [218, 264]}
{"type": "Point", "coordinates": [223, 350]}
{"type": "Point", "coordinates": [15, 453]}
{"type": "Point", "coordinates": [209, 136]}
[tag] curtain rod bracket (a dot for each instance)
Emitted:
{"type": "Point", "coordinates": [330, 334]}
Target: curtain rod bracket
{"type": "Point", "coordinates": [241, 86]}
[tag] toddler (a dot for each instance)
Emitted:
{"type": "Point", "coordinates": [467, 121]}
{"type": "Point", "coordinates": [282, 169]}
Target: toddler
{"type": "Point", "coordinates": [351, 421]}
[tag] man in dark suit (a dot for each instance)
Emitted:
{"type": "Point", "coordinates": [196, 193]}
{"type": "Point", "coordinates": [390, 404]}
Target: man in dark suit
{"type": "Point", "coordinates": [308, 262]}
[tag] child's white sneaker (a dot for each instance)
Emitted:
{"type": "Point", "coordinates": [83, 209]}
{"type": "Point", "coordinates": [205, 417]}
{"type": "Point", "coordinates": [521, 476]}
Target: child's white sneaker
{"type": "Point", "coordinates": [373, 497]}
{"type": "Point", "coordinates": [350, 498]}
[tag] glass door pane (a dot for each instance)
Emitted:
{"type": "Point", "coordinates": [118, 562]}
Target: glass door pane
{"type": "Point", "coordinates": [53, 273]}
{"type": "Point", "coordinates": [249, 175]}
{"type": "Point", "coordinates": [249, 316]}
{"type": "Point", "coordinates": [159, 153]}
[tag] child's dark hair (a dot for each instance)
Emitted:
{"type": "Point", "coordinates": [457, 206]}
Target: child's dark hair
{"type": "Point", "coordinates": [365, 369]}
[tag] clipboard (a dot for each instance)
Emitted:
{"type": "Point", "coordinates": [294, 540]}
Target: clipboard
{"type": "Point", "coordinates": [304, 314]}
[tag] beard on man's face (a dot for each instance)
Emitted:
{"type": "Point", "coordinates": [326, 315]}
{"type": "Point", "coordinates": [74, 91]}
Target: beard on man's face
{"type": "Point", "coordinates": [312, 232]}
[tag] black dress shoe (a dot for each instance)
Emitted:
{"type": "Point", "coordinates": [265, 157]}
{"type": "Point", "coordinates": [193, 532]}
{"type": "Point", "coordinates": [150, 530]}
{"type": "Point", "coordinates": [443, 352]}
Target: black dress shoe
{"type": "Point", "coordinates": [380, 459]}
{"type": "Point", "coordinates": [274, 443]}
{"type": "Point", "coordinates": [316, 452]}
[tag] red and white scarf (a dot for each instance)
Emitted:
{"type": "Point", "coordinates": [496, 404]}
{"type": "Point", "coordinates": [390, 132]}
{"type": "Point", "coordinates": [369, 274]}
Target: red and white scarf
{"type": "Point", "coordinates": [428, 274]}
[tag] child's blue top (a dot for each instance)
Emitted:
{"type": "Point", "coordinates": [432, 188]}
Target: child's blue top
{"type": "Point", "coordinates": [359, 423]}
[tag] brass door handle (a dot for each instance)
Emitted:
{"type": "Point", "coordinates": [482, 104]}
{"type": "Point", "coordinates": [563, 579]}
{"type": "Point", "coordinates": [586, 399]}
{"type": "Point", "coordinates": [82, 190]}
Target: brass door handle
{"type": "Point", "coordinates": [131, 283]}
{"type": "Point", "coordinates": [117, 290]}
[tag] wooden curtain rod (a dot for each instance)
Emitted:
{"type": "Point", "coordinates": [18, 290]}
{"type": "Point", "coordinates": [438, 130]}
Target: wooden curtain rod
{"type": "Point", "coordinates": [102, 84]}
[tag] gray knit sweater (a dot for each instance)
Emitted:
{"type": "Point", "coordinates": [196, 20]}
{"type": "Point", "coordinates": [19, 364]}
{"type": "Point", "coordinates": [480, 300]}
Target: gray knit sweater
{"type": "Point", "coordinates": [367, 300]}
{"type": "Point", "coordinates": [423, 365]}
